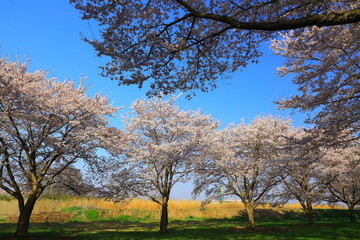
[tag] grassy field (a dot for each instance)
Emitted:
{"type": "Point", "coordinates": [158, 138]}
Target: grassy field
{"type": "Point", "coordinates": [80, 218]}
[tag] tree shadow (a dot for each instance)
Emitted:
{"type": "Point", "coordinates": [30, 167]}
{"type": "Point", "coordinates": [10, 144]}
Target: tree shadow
{"type": "Point", "coordinates": [202, 230]}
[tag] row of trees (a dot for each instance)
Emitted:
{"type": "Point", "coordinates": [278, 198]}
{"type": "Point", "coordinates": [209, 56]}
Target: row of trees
{"type": "Point", "coordinates": [188, 45]}
{"type": "Point", "coordinates": [47, 126]}
{"type": "Point", "coordinates": [267, 159]}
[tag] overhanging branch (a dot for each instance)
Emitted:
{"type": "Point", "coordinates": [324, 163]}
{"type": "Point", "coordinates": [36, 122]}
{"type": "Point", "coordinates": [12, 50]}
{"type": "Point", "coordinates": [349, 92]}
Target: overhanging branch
{"type": "Point", "coordinates": [320, 20]}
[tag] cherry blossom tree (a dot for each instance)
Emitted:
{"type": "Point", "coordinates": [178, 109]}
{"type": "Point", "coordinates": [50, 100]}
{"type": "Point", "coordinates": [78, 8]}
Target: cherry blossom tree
{"type": "Point", "coordinates": [45, 127]}
{"type": "Point", "coordinates": [342, 166]}
{"type": "Point", "coordinates": [189, 44]}
{"type": "Point", "coordinates": [160, 149]}
{"type": "Point", "coordinates": [325, 64]}
{"type": "Point", "coordinates": [244, 162]}
{"type": "Point", "coordinates": [302, 174]}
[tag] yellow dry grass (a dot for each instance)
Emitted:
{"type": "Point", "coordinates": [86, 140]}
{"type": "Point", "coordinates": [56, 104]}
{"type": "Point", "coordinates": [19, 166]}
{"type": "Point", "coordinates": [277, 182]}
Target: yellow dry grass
{"type": "Point", "coordinates": [178, 209]}
{"type": "Point", "coordinates": [140, 208]}
{"type": "Point", "coordinates": [318, 206]}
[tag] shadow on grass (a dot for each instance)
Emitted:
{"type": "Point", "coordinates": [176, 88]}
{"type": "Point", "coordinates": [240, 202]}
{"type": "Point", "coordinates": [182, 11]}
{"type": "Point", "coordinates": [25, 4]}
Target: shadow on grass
{"type": "Point", "coordinates": [207, 230]}
{"type": "Point", "coordinates": [203, 230]}
{"type": "Point", "coordinates": [321, 215]}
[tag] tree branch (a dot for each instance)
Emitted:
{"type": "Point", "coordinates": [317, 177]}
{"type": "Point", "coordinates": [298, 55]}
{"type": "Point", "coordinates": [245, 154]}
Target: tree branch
{"type": "Point", "coordinates": [320, 20]}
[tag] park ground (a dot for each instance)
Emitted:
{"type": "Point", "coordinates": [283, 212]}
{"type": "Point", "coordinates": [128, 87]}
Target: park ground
{"type": "Point", "coordinates": [72, 218]}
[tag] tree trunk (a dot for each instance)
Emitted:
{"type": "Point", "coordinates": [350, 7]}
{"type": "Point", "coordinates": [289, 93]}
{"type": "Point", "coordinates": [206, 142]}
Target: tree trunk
{"type": "Point", "coordinates": [164, 215]}
{"type": "Point", "coordinates": [22, 227]}
{"type": "Point", "coordinates": [310, 216]}
{"type": "Point", "coordinates": [310, 213]}
{"type": "Point", "coordinates": [250, 212]}
{"type": "Point", "coordinates": [352, 213]}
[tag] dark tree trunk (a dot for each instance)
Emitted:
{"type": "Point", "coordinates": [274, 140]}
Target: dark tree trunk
{"type": "Point", "coordinates": [310, 213]}
{"type": "Point", "coordinates": [352, 213]}
{"type": "Point", "coordinates": [310, 216]}
{"type": "Point", "coordinates": [164, 215]}
{"type": "Point", "coordinates": [307, 208]}
{"type": "Point", "coordinates": [22, 227]}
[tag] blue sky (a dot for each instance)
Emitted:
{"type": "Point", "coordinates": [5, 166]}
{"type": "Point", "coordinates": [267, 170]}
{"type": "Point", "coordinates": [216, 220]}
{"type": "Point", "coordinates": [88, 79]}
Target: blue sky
{"type": "Point", "coordinates": [49, 33]}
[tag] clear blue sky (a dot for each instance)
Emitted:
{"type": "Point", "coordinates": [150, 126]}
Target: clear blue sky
{"type": "Point", "coordinates": [49, 33]}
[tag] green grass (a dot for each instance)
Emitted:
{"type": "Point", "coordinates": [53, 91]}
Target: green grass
{"type": "Point", "coordinates": [71, 209]}
{"type": "Point", "coordinates": [92, 214]}
{"type": "Point", "coordinates": [77, 213]}
{"type": "Point", "coordinates": [329, 224]}
{"type": "Point", "coordinates": [206, 229]}
{"type": "Point", "coordinates": [125, 218]}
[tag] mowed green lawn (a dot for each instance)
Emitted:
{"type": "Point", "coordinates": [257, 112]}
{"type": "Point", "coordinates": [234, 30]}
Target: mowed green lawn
{"type": "Point", "coordinates": [330, 224]}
